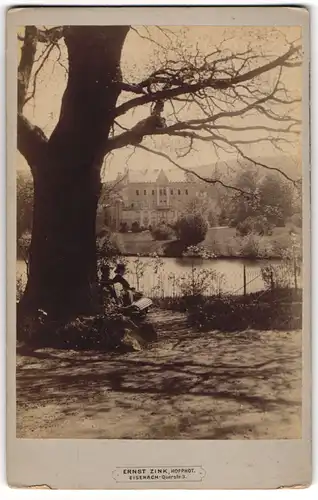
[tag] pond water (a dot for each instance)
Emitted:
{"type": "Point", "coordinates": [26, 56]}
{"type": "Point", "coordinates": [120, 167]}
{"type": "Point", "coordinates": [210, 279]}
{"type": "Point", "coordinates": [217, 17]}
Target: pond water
{"type": "Point", "coordinates": [218, 275]}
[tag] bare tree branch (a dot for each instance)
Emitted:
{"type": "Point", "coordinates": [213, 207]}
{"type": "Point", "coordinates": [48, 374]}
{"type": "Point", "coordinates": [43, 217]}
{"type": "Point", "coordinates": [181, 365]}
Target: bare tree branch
{"type": "Point", "coordinates": [45, 57]}
{"type": "Point", "coordinates": [210, 82]}
{"type": "Point", "coordinates": [28, 51]}
{"type": "Point", "coordinates": [192, 172]}
{"type": "Point", "coordinates": [51, 35]}
{"type": "Point", "coordinates": [149, 127]}
{"type": "Point", "coordinates": [223, 86]}
{"type": "Point", "coordinates": [32, 142]}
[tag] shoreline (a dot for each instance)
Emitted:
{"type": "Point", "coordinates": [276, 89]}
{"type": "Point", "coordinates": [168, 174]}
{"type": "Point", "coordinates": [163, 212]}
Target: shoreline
{"type": "Point", "coordinates": [217, 257]}
{"type": "Point", "coordinates": [221, 244]}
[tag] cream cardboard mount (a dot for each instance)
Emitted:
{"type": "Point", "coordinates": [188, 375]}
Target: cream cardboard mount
{"type": "Point", "coordinates": [187, 145]}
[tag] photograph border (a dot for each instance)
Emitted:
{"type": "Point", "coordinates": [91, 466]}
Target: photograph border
{"type": "Point", "coordinates": [90, 464]}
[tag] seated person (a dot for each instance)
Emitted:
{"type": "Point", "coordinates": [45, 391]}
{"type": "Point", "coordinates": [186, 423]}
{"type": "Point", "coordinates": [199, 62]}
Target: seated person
{"type": "Point", "coordinates": [107, 290]}
{"type": "Point", "coordinates": [105, 274]}
{"type": "Point", "coordinates": [128, 296]}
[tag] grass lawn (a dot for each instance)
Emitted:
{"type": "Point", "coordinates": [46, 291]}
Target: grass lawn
{"type": "Point", "coordinates": [222, 241]}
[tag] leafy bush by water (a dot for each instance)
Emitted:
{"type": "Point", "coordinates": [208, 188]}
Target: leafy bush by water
{"type": "Point", "coordinates": [191, 229]}
{"type": "Point", "coordinates": [162, 232]}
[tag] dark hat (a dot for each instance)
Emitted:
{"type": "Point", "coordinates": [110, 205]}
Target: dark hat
{"type": "Point", "coordinates": [120, 267]}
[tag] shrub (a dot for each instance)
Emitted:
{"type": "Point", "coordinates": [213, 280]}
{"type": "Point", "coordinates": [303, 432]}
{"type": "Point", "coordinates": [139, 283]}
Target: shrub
{"type": "Point", "coordinates": [135, 227]}
{"type": "Point", "coordinates": [288, 272]}
{"type": "Point", "coordinates": [295, 221]}
{"type": "Point", "coordinates": [279, 245]}
{"type": "Point", "coordinates": [279, 276]}
{"type": "Point", "coordinates": [137, 270]}
{"type": "Point", "coordinates": [107, 250]}
{"type": "Point", "coordinates": [255, 247]}
{"type": "Point", "coordinates": [123, 227]}
{"type": "Point", "coordinates": [278, 310]}
{"type": "Point", "coordinates": [199, 281]}
{"type": "Point", "coordinates": [191, 229]}
{"type": "Point", "coordinates": [109, 331]}
{"type": "Point", "coordinates": [258, 225]}
{"type": "Point", "coordinates": [162, 233]}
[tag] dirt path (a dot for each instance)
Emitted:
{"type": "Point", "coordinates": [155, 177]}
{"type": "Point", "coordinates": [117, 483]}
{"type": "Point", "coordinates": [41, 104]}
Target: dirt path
{"type": "Point", "coordinates": [190, 385]}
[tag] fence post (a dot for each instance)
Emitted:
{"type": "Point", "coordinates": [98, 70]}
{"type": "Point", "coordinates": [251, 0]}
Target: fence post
{"type": "Point", "coordinates": [272, 280]}
{"type": "Point", "coordinates": [244, 279]}
{"type": "Point", "coordinates": [295, 273]}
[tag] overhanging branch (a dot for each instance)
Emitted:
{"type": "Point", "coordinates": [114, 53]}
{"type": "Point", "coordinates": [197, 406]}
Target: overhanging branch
{"type": "Point", "coordinates": [31, 142]}
{"type": "Point", "coordinates": [192, 172]}
{"type": "Point", "coordinates": [51, 35]}
{"type": "Point", "coordinates": [28, 51]}
{"type": "Point", "coordinates": [211, 83]}
{"type": "Point", "coordinates": [183, 128]}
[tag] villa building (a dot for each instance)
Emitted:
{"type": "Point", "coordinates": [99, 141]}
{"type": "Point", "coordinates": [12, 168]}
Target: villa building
{"type": "Point", "coordinates": [153, 196]}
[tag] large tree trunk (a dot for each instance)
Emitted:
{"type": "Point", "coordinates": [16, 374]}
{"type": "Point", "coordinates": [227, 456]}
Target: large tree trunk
{"type": "Point", "coordinates": [62, 277]}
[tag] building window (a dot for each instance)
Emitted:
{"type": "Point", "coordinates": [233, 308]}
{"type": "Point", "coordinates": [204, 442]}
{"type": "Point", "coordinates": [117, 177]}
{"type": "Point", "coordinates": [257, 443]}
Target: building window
{"type": "Point", "coordinates": [132, 205]}
{"type": "Point", "coordinates": [145, 192]}
{"type": "Point", "coordinates": [153, 192]}
{"type": "Point", "coordinates": [160, 191]}
{"type": "Point", "coordinates": [171, 191]}
{"type": "Point", "coordinates": [186, 191]}
{"type": "Point", "coordinates": [179, 192]}
{"type": "Point", "coordinates": [137, 192]}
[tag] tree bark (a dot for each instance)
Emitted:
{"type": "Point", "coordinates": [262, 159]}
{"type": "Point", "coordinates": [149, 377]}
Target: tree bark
{"type": "Point", "coordinates": [62, 278]}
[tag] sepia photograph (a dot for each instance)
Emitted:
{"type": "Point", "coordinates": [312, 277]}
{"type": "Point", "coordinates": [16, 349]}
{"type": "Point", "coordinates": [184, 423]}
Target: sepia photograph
{"type": "Point", "coordinates": [159, 245]}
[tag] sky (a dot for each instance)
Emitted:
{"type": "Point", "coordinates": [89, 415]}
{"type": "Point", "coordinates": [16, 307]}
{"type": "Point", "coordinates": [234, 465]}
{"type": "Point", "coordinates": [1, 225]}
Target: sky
{"type": "Point", "coordinates": [140, 57]}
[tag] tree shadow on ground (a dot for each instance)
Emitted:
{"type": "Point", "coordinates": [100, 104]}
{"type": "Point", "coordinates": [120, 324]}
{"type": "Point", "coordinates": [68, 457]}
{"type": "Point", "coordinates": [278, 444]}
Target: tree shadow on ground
{"type": "Point", "coordinates": [191, 385]}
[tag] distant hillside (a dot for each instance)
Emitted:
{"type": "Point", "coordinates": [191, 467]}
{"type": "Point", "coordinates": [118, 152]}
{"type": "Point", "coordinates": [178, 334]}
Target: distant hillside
{"type": "Point", "coordinates": [225, 170]}
{"type": "Point", "coordinates": [228, 170]}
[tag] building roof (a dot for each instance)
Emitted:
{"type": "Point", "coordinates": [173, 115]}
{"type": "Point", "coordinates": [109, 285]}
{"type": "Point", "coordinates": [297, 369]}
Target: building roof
{"type": "Point", "coordinates": [143, 175]}
{"type": "Point", "coordinates": [173, 175]}
{"type": "Point", "coordinates": [213, 170]}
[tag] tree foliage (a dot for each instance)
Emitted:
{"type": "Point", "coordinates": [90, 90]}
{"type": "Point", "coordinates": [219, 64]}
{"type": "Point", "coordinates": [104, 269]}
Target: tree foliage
{"type": "Point", "coordinates": [276, 199]}
{"type": "Point", "coordinates": [203, 205]}
{"type": "Point", "coordinates": [244, 206]}
{"type": "Point", "coordinates": [271, 198]}
{"type": "Point", "coordinates": [258, 225]}
{"type": "Point", "coordinates": [191, 229]}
